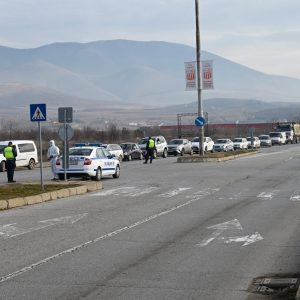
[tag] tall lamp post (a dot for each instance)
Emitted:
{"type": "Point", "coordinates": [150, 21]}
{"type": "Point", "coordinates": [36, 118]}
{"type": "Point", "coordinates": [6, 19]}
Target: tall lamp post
{"type": "Point", "coordinates": [199, 84]}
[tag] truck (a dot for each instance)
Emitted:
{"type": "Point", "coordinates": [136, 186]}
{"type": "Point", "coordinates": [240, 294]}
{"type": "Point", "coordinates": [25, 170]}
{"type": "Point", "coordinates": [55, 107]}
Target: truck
{"type": "Point", "coordinates": [291, 129]}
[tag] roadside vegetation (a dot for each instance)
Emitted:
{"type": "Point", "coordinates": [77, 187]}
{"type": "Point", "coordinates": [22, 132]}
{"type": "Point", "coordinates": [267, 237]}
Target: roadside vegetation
{"type": "Point", "coordinates": [24, 190]}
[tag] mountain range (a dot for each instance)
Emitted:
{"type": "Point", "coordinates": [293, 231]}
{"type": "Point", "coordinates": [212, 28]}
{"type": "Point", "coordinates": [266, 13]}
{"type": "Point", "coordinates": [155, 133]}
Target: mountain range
{"type": "Point", "coordinates": [107, 76]}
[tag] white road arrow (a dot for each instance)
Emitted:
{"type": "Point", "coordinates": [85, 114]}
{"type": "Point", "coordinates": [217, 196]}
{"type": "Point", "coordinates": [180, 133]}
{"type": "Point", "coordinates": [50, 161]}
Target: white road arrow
{"type": "Point", "coordinates": [10, 230]}
{"type": "Point", "coordinates": [233, 224]}
{"type": "Point", "coordinates": [219, 229]}
{"type": "Point", "coordinates": [247, 239]}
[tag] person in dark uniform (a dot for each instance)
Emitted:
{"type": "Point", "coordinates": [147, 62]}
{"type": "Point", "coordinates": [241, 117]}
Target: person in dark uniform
{"type": "Point", "coordinates": [10, 153]}
{"type": "Point", "coordinates": [150, 147]}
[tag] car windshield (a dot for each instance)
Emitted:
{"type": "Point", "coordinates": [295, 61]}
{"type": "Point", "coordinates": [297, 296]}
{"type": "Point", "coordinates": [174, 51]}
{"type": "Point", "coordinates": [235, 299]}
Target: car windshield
{"type": "Point", "coordinates": [80, 151]}
{"type": "Point", "coordinates": [143, 141]}
{"type": "Point", "coordinates": [176, 142]}
{"type": "Point", "coordinates": [238, 140]}
{"type": "Point", "coordinates": [126, 146]}
{"type": "Point", "coordinates": [275, 134]}
{"type": "Point", "coordinates": [221, 141]}
{"type": "Point", "coordinates": [195, 139]}
{"type": "Point", "coordinates": [263, 137]}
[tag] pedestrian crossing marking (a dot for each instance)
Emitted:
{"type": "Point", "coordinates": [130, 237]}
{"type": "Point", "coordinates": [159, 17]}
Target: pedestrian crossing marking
{"type": "Point", "coordinates": [38, 115]}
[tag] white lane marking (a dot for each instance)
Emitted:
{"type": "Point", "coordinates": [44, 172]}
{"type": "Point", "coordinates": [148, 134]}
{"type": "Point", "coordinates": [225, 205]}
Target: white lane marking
{"type": "Point", "coordinates": [267, 195]}
{"type": "Point", "coordinates": [9, 230]}
{"type": "Point", "coordinates": [144, 191]}
{"type": "Point", "coordinates": [219, 229]}
{"type": "Point", "coordinates": [295, 198]}
{"type": "Point", "coordinates": [116, 191]}
{"type": "Point", "coordinates": [174, 192]}
{"type": "Point", "coordinates": [247, 240]}
{"type": "Point", "coordinates": [98, 239]}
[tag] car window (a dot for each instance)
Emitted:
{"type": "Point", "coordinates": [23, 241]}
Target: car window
{"type": "Point", "coordinates": [195, 139]}
{"type": "Point", "coordinates": [80, 151]}
{"type": "Point", "coordinates": [99, 152]}
{"type": "Point", "coordinates": [143, 141]}
{"type": "Point", "coordinates": [26, 147]}
{"type": "Point", "coordinates": [221, 141]}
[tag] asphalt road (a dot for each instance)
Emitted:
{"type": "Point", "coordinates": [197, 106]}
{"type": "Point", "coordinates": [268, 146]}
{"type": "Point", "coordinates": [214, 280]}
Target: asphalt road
{"type": "Point", "coordinates": [160, 231]}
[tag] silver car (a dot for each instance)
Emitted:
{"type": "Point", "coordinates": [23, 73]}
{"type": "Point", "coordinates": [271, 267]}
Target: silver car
{"type": "Point", "coordinates": [265, 140]}
{"type": "Point", "coordinates": [180, 146]}
{"type": "Point", "coordinates": [223, 145]}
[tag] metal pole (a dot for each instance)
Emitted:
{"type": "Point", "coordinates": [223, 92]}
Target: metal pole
{"type": "Point", "coordinates": [41, 156]}
{"type": "Point", "coordinates": [199, 85]}
{"type": "Point", "coordinates": [65, 145]}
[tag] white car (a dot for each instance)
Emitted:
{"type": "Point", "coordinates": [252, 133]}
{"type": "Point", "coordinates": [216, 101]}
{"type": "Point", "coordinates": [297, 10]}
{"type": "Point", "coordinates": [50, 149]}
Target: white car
{"type": "Point", "coordinates": [180, 146]}
{"type": "Point", "coordinates": [240, 143]}
{"type": "Point", "coordinates": [223, 145]}
{"type": "Point", "coordinates": [114, 149]}
{"type": "Point", "coordinates": [27, 155]}
{"type": "Point", "coordinates": [89, 161]}
{"type": "Point", "coordinates": [208, 144]}
{"type": "Point", "coordinates": [254, 140]}
{"type": "Point", "coordinates": [161, 146]}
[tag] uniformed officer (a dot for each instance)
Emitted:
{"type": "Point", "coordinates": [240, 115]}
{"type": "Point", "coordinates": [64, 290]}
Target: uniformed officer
{"type": "Point", "coordinates": [150, 147]}
{"type": "Point", "coordinates": [52, 155]}
{"type": "Point", "coordinates": [10, 153]}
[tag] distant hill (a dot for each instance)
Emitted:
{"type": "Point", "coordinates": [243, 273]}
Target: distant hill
{"type": "Point", "coordinates": [122, 71]}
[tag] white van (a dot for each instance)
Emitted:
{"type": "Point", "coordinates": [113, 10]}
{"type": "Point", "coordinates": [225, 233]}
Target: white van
{"type": "Point", "coordinates": [26, 154]}
{"type": "Point", "coordinates": [278, 138]}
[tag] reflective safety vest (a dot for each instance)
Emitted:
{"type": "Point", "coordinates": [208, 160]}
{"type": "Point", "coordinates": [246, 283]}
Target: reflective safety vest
{"type": "Point", "coordinates": [151, 143]}
{"type": "Point", "coordinates": [8, 152]}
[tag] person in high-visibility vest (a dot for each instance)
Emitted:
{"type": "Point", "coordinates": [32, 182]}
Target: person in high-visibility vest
{"type": "Point", "coordinates": [150, 147]}
{"type": "Point", "coordinates": [10, 153]}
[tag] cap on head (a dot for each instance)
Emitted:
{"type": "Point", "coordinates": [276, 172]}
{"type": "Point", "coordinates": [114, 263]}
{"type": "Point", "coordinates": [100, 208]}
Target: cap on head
{"type": "Point", "coordinates": [10, 143]}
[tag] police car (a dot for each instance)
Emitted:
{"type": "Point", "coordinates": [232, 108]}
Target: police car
{"type": "Point", "coordinates": [89, 161]}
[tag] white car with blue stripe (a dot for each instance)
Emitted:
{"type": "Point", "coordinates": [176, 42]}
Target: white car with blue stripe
{"type": "Point", "coordinates": [89, 161]}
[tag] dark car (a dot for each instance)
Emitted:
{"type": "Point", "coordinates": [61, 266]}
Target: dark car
{"type": "Point", "coordinates": [131, 151]}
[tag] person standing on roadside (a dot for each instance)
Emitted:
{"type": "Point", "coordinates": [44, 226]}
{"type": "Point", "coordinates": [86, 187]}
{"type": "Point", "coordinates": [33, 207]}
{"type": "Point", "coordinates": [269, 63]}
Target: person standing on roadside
{"type": "Point", "coordinates": [10, 153]}
{"type": "Point", "coordinates": [150, 148]}
{"type": "Point", "coordinates": [52, 155]}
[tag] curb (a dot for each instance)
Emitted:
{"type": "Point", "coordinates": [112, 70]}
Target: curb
{"type": "Point", "coordinates": [298, 294]}
{"type": "Point", "coordinates": [192, 159]}
{"type": "Point", "coordinates": [48, 196]}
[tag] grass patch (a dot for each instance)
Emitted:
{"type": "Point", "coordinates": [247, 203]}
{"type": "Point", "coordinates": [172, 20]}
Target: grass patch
{"type": "Point", "coordinates": [23, 190]}
{"type": "Point", "coordinates": [225, 154]}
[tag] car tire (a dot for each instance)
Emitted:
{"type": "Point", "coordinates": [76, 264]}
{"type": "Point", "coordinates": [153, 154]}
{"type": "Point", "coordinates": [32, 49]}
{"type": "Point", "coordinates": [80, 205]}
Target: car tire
{"type": "Point", "coordinates": [2, 166]}
{"type": "Point", "coordinates": [31, 164]}
{"type": "Point", "coordinates": [182, 152]}
{"type": "Point", "coordinates": [155, 154]}
{"type": "Point", "coordinates": [117, 173]}
{"type": "Point", "coordinates": [98, 175]}
{"type": "Point", "coordinates": [61, 176]}
{"type": "Point", "coordinates": [165, 153]}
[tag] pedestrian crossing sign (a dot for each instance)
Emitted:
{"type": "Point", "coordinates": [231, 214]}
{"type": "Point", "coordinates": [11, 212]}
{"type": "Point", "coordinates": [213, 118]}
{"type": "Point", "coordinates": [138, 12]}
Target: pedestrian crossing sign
{"type": "Point", "coordinates": [38, 112]}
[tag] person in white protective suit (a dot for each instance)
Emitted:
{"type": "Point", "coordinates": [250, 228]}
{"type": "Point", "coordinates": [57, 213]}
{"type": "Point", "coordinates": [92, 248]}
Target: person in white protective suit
{"type": "Point", "coordinates": [53, 154]}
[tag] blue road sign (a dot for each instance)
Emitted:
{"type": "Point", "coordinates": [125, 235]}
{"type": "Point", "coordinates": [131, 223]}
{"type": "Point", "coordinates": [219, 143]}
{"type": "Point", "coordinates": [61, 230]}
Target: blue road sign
{"type": "Point", "coordinates": [38, 112]}
{"type": "Point", "coordinates": [200, 121]}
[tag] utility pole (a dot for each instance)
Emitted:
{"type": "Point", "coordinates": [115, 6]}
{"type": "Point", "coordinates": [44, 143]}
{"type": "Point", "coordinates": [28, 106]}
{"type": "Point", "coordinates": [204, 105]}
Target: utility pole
{"type": "Point", "coordinates": [199, 84]}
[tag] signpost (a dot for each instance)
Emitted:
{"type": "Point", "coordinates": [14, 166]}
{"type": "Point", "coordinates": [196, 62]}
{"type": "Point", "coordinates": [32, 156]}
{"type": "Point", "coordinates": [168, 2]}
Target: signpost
{"type": "Point", "coordinates": [65, 115]}
{"type": "Point", "coordinates": [38, 113]}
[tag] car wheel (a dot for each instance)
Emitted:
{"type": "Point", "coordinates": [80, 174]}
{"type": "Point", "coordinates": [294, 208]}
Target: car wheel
{"type": "Point", "coordinates": [155, 154]}
{"type": "Point", "coordinates": [117, 173]}
{"type": "Point", "coordinates": [31, 164]}
{"type": "Point", "coordinates": [61, 176]}
{"type": "Point", "coordinates": [165, 153]}
{"type": "Point", "coordinates": [2, 166]}
{"type": "Point", "coordinates": [182, 152]}
{"type": "Point", "coordinates": [98, 175]}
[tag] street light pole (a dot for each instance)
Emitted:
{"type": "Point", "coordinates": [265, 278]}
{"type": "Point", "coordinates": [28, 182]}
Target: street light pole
{"type": "Point", "coordinates": [199, 84]}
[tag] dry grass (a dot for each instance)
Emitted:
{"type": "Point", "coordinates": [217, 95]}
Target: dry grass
{"type": "Point", "coordinates": [23, 190]}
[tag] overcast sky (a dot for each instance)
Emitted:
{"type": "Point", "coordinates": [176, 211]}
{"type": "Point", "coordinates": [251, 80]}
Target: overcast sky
{"type": "Point", "coordinates": [261, 34]}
